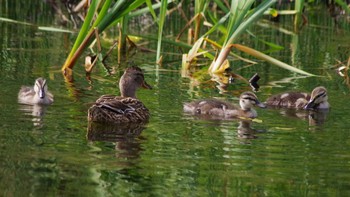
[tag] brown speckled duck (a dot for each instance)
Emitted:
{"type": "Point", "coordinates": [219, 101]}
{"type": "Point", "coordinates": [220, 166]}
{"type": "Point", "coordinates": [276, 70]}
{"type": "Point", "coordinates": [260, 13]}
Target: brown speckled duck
{"type": "Point", "coordinates": [300, 100]}
{"type": "Point", "coordinates": [218, 108]}
{"type": "Point", "coordinates": [38, 94]}
{"type": "Point", "coordinates": [125, 108]}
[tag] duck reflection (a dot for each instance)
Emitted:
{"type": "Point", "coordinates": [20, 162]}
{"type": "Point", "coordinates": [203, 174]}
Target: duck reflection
{"type": "Point", "coordinates": [126, 137]}
{"type": "Point", "coordinates": [317, 118]}
{"type": "Point", "coordinates": [36, 111]}
{"type": "Point", "coordinates": [245, 130]}
{"type": "Point", "coordinates": [314, 117]}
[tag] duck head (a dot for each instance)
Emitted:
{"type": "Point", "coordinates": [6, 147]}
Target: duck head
{"type": "Point", "coordinates": [319, 99]}
{"type": "Point", "coordinates": [248, 99]}
{"type": "Point", "coordinates": [40, 87]}
{"type": "Point", "coordinates": [131, 80]}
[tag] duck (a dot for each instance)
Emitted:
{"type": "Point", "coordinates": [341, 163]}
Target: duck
{"type": "Point", "coordinates": [36, 95]}
{"type": "Point", "coordinates": [318, 99]}
{"type": "Point", "coordinates": [222, 109]}
{"type": "Point", "coordinates": [125, 108]}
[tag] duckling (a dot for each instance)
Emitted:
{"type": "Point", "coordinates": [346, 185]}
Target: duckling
{"type": "Point", "coordinates": [319, 99]}
{"type": "Point", "coordinates": [301, 100]}
{"type": "Point", "coordinates": [35, 95]}
{"type": "Point", "coordinates": [218, 108]}
{"type": "Point", "coordinates": [125, 108]}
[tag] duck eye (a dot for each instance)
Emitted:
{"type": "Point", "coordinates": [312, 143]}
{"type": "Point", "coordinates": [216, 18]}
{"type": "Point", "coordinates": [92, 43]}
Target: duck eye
{"type": "Point", "coordinates": [323, 94]}
{"type": "Point", "coordinates": [250, 99]}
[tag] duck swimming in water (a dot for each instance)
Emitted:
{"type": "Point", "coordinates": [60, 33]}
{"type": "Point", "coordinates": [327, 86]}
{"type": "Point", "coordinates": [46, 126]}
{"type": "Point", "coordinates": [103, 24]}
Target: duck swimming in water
{"type": "Point", "coordinates": [301, 100]}
{"type": "Point", "coordinates": [38, 94]}
{"type": "Point", "coordinates": [125, 108]}
{"type": "Point", "coordinates": [218, 108]}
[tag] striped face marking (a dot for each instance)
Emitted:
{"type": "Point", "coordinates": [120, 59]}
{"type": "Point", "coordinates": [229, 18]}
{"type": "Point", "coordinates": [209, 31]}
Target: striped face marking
{"type": "Point", "coordinates": [40, 87]}
{"type": "Point", "coordinates": [318, 95]}
{"type": "Point", "coordinates": [249, 98]}
{"type": "Point", "coordinates": [321, 95]}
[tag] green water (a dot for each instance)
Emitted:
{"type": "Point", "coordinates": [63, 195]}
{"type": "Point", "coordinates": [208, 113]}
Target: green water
{"type": "Point", "coordinates": [284, 154]}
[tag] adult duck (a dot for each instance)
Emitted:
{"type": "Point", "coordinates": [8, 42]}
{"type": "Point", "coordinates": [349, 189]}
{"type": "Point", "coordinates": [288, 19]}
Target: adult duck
{"type": "Point", "coordinates": [125, 108]}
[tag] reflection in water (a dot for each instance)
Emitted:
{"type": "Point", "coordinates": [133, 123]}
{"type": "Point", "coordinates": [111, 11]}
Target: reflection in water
{"type": "Point", "coordinates": [317, 118]}
{"type": "Point", "coordinates": [124, 135]}
{"type": "Point", "coordinates": [227, 78]}
{"type": "Point", "coordinates": [36, 111]}
{"type": "Point", "coordinates": [314, 117]}
{"type": "Point", "coordinates": [222, 80]}
{"type": "Point", "coordinates": [245, 130]}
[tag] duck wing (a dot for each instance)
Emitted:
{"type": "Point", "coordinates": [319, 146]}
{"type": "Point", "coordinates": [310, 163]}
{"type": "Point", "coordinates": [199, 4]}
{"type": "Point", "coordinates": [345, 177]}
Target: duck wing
{"type": "Point", "coordinates": [289, 100]}
{"type": "Point", "coordinates": [109, 108]}
{"type": "Point", "coordinates": [26, 91]}
{"type": "Point", "coordinates": [208, 106]}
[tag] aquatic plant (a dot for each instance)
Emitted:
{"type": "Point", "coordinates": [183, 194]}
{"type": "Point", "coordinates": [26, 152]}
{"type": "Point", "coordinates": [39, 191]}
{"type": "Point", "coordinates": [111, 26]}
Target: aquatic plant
{"type": "Point", "coordinates": [108, 15]}
{"type": "Point", "coordinates": [240, 16]}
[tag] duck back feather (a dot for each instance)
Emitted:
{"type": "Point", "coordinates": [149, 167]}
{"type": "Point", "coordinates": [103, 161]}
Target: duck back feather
{"type": "Point", "coordinates": [117, 109]}
{"type": "Point", "coordinates": [289, 100]}
{"type": "Point", "coordinates": [218, 108]}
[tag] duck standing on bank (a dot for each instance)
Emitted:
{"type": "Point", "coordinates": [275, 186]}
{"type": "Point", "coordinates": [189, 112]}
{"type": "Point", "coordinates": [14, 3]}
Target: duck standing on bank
{"type": "Point", "coordinates": [301, 100]}
{"type": "Point", "coordinates": [125, 108]}
{"type": "Point", "coordinates": [218, 108]}
{"type": "Point", "coordinates": [38, 94]}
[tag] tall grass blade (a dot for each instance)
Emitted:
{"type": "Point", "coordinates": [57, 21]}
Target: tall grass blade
{"type": "Point", "coordinates": [107, 17]}
{"type": "Point", "coordinates": [82, 34]}
{"type": "Point", "coordinates": [238, 11]}
{"type": "Point", "coordinates": [200, 7]}
{"type": "Point", "coordinates": [103, 12]}
{"type": "Point", "coordinates": [258, 12]}
{"type": "Point", "coordinates": [162, 15]}
{"type": "Point", "coordinates": [43, 28]}
{"type": "Point", "coordinates": [299, 6]}
{"type": "Point", "coordinates": [270, 59]}
{"type": "Point", "coordinates": [344, 5]}
{"type": "Point", "coordinates": [151, 9]}
{"type": "Point", "coordinates": [239, 21]}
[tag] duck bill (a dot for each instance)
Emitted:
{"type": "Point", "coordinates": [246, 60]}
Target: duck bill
{"type": "Point", "coordinates": [310, 105]}
{"type": "Point", "coordinates": [41, 93]}
{"type": "Point", "coordinates": [146, 85]}
{"type": "Point", "coordinates": [261, 105]}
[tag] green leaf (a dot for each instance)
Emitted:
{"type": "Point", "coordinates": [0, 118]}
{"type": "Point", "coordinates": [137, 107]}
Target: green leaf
{"type": "Point", "coordinates": [162, 15]}
{"type": "Point", "coordinates": [270, 59]}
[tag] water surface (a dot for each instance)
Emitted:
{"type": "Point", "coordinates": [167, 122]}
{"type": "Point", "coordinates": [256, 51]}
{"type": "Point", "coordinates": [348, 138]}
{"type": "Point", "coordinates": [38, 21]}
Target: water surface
{"type": "Point", "coordinates": [285, 153]}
